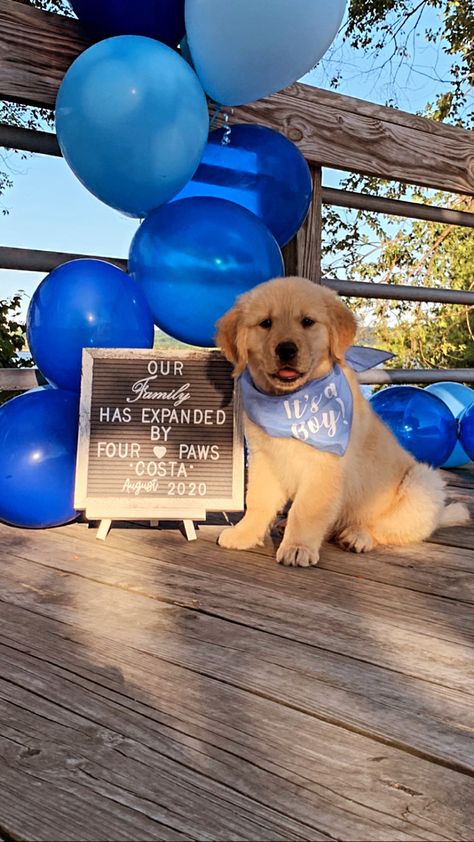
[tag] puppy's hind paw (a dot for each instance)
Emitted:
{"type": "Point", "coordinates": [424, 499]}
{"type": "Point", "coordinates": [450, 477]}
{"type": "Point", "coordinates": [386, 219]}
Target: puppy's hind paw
{"type": "Point", "coordinates": [355, 539]}
{"type": "Point", "coordinates": [297, 556]}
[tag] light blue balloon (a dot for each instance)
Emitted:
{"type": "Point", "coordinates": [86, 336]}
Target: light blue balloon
{"type": "Point", "coordinates": [244, 50]}
{"type": "Point", "coordinates": [458, 398]}
{"type": "Point", "coordinates": [132, 122]}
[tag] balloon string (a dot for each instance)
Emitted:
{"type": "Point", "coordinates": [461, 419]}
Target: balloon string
{"type": "Point", "coordinates": [218, 109]}
{"type": "Point", "coordinates": [227, 131]}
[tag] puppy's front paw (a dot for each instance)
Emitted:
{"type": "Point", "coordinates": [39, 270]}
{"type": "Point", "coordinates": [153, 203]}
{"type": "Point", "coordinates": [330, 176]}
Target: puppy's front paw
{"type": "Point", "coordinates": [234, 538]}
{"type": "Point", "coordinates": [293, 555]}
{"type": "Point", "coordinates": [355, 539]}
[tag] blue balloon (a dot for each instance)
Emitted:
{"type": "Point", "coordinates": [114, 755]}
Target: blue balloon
{"type": "Point", "coordinates": [421, 422]}
{"type": "Point", "coordinates": [194, 257]}
{"type": "Point", "coordinates": [244, 50]}
{"type": "Point", "coordinates": [84, 304]}
{"type": "Point", "coordinates": [457, 397]}
{"type": "Point", "coordinates": [467, 431]}
{"type": "Point", "coordinates": [259, 169]}
{"type": "Point", "coordinates": [161, 19]}
{"type": "Point", "coordinates": [132, 122]}
{"type": "Point", "coordinates": [38, 443]}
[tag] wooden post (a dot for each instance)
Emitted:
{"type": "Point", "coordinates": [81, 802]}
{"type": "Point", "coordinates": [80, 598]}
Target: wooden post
{"type": "Point", "coordinates": [303, 254]}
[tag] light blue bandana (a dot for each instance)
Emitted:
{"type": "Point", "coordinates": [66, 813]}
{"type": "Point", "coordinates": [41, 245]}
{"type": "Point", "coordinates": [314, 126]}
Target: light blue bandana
{"type": "Point", "coordinates": [319, 414]}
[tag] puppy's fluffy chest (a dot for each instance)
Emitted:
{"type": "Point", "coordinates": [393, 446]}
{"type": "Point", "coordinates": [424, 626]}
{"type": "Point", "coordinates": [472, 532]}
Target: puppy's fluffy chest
{"type": "Point", "coordinates": [290, 460]}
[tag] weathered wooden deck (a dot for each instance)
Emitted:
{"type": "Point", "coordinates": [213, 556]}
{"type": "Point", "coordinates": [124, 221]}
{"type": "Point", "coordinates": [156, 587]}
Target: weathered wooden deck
{"type": "Point", "coordinates": [153, 689]}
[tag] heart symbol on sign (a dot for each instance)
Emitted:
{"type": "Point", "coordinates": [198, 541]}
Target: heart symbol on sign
{"type": "Point", "coordinates": [160, 452]}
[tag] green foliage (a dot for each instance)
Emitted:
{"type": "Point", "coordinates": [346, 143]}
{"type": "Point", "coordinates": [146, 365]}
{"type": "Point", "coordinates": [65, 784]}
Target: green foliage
{"type": "Point", "coordinates": [12, 334]}
{"type": "Point", "coordinates": [420, 254]}
{"type": "Point", "coordinates": [369, 247]}
{"type": "Point", "coordinates": [376, 24]}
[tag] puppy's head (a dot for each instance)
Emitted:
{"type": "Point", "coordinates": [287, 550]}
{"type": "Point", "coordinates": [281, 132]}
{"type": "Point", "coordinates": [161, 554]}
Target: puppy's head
{"type": "Point", "coordinates": [288, 331]}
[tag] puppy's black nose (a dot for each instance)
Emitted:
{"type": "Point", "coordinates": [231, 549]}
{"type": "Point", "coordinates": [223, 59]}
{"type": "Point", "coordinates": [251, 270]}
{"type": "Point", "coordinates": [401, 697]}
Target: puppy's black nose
{"type": "Point", "coordinates": [286, 351]}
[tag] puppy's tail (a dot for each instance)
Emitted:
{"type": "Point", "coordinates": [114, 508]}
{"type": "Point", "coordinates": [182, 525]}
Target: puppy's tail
{"type": "Point", "coordinates": [455, 514]}
{"type": "Point", "coordinates": [420, 508]}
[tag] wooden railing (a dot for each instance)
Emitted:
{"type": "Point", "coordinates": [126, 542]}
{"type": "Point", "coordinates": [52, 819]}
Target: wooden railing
{"type": "Point", "coordinates": [36, 49]}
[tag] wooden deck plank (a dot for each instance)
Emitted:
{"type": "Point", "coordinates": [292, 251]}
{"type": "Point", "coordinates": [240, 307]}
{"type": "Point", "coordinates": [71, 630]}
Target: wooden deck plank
{"type": "Point", "coordinates": [424, 567]}
{"type": "Point", "coordinates": [321, 588]}
{"type": "Point", "coordinates": [358, 685]}
{"type": "Point", "coordinates": [121, 699]}
{"type": "Point", "coordinates": [387, 706]}
{"type": "Point", "coordinates": [460, 477]}
{"type": "Point", "coordinates": [41, 810]}
{"type": "Point", "coordinates": [88, 757]}
{"type": "Point", "coordinates": [190, 693]}
{"type": "Point", "coordinates": [376, 623]}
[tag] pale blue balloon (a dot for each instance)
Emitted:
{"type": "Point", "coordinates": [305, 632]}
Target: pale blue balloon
{"type": "Point", "coordinates": [458, 398]}
{"type": "Point", "coordinates": [244, 50]}
{"type": "Point", "coordinates": [132, 122]}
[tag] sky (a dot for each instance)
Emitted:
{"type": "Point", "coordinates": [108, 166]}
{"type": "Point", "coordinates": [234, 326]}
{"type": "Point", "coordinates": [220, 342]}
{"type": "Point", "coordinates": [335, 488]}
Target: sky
{"type": "Point", "coordinates": [49, 209]}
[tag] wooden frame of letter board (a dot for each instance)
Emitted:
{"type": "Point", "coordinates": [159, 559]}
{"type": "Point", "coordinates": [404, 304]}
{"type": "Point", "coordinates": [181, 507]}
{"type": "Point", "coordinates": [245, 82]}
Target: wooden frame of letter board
{"type": "Point", "coordinates": [154, 509]}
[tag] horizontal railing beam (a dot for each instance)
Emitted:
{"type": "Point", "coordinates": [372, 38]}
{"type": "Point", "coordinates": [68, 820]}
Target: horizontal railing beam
{"type": "Point", "coordinates": [45, 143]}
{"type": "Point", "coordinates": [400, 376]}
{"type": "Point", "coordinates": [399, 292]}
{"type": "Point", "coordinates": [27, 140]}
{"type": "Point", "coordinates": [22, 380]}
{"type": "Point", "coordinates": [35, 260]}
{"type": "Point", "coordinates": [396, 207]}
{"type": "Point", "coordinates": [19, 379]}
{"type": "Point", "coordinates": [37, 48]}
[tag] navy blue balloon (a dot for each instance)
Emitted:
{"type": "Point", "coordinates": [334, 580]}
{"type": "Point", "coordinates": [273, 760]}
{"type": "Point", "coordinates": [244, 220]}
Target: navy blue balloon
{"type": "Point", "coordinates": [38, 443]}
{"type": "Point", "coordinates": [420, 421]}
{"type": "Point", "coordinates": [259, 169]}
{"type": "Point", "coordinates": [467, 431]}
{"type": "Point", "coordinates": [161, 19]}
{"type": "Point", "coordinates": [84, 304]}
{"type": "Point", "coordinates": [194, 257]}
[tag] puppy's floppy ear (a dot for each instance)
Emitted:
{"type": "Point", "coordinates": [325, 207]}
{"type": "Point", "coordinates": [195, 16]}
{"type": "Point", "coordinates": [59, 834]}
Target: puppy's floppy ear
{"type": "Point", "coordinates": [342, 327]}
{"type": "Point", "coordinates": [232, 339]}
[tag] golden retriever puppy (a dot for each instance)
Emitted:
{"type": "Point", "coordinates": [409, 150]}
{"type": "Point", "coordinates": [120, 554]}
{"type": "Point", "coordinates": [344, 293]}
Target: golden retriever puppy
{"type": "Point", "coordinates": [313, 439]}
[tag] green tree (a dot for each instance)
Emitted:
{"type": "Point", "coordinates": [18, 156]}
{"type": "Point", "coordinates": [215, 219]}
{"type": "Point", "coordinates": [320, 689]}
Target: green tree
{"type": "Point", "coordinates": [423, 254]}
{"type": "Point", "coordinates": [368, 247]}
{"type": "Point", "coordinates": [12, 334]}
{"type": "Point", "coordinates": [375, 24]}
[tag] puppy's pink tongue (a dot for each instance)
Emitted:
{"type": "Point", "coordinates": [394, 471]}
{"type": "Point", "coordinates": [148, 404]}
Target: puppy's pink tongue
{"type": "Point", "coordinates": [287, 373]}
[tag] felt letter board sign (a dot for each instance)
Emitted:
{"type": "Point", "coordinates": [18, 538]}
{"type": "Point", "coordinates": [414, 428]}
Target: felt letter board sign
{"type": "Point", "coordinates": [160, 435]}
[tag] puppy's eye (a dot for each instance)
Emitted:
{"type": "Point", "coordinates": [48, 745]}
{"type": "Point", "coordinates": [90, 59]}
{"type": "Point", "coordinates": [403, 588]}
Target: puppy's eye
{"type": "Point", "coordinates": [307, 322]}
{"type": "Point", "coordinates": [266, 324]}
